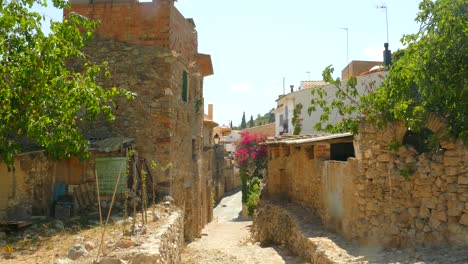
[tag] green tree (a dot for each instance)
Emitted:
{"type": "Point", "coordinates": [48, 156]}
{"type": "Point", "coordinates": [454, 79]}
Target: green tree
{"type": "Point", "coordinates": [243, 123]}
{"type": "Point", "coordinates": [271, 117]}
{"type": "Point", "coordinates": [251, 122]}
{"type": "Point", "coordinates": [428, 76]}
{"type": "Point", "coordinates": [45, 101]}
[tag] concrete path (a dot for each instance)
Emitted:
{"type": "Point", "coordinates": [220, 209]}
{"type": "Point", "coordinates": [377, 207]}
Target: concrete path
{"type": "Point", "coordinates": [228, 210]}
{"type": "Point", "coordinates": [227, 240]}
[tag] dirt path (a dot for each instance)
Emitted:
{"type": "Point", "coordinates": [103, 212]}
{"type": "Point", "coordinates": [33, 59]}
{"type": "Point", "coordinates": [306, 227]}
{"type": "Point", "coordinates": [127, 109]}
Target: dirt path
{"type": "Point", "coordinates": [227, 240]}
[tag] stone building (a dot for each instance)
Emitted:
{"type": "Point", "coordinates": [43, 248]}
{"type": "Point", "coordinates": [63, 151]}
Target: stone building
{"type": "Point", "coordinates": [366, 192]}
{"type": "Point", "coordinates": [217, 162]}
{"type": "Point", "coordinates": [152, 50]}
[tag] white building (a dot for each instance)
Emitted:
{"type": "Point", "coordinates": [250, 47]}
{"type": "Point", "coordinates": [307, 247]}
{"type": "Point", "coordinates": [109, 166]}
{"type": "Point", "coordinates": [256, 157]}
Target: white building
{"type": "Point", "coordinates": [367, 81]}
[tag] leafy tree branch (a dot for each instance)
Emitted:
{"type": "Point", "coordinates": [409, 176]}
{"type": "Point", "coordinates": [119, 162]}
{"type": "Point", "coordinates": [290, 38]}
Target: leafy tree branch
{"type": "Point", "coordinates": [44, 100]}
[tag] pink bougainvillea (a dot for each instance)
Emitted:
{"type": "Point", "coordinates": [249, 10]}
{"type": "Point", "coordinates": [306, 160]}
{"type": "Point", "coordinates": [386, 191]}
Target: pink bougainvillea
{"type": "Point", "coordinates": [251, 154]}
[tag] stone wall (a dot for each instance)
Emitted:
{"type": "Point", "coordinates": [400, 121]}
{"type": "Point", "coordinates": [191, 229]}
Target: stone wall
{"type": "Point", "coordinates": [405, 198]}
{"type": "Point", "coordinates": [299, 230]}
{"type": "Point", "coordinates": [267, 129]}
{"type": "Point", "coordinates": [152, 50]}
{"type": "Point", "coordinates": [225, 176]}
{"type": "Point", "coordinates": [397, 198]}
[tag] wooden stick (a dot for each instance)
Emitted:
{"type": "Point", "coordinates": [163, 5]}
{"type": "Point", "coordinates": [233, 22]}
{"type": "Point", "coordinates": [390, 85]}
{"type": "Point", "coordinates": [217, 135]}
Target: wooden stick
{"type": "Point", "coordinates": [109, 213]}
{"type": "Point", "coordinates": [98, 196]}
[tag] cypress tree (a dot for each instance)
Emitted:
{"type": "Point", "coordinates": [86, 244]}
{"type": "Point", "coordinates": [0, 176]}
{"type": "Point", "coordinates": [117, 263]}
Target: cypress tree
{"type": "Point", "coordinates": [243, 123]}
{"type": "Point", "coordinates": [251, 122]}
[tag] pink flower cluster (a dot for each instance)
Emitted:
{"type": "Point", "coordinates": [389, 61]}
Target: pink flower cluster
{"type": "Point", "coordinates": [249, 151]}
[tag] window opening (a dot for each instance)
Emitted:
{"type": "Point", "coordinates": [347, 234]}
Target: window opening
{"type": "Point", "coordinates": [341, 151]}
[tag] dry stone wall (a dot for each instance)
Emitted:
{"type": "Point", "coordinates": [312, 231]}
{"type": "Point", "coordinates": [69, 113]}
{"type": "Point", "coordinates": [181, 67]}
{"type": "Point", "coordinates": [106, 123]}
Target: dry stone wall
{"type": "Point", "coordinates": [394, 198]}
{"type": "Point", "coordinates": [405, 198]}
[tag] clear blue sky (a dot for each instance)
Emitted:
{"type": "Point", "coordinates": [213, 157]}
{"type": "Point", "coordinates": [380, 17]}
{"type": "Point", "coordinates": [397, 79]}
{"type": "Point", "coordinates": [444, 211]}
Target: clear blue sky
{"type": "Point", "coordinates": [254, 44]}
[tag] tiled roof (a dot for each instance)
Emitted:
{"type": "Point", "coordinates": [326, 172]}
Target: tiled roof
{"type": "Point", "coordinates": [301, 139]}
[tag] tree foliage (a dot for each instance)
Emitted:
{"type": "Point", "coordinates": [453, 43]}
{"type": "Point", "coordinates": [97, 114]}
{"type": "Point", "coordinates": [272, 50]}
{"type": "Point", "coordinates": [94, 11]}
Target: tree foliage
{"type": "Point", "coordinates": [428, 76]}
{"type": "Point", "coordinates": [243, 122]}
{"type": "Point", "coordinates": [44, 101]}
{"type": "Point", "coordinates": [251, 122]}
{"type": "Point", "coordinates": [297, 120]}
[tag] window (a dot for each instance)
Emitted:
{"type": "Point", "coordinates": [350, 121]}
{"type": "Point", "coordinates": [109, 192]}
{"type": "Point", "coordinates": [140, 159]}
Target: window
{"type": "Point", "coordinates": [184, 86]}
{"type": "Point", "coordinates": [342, 151]}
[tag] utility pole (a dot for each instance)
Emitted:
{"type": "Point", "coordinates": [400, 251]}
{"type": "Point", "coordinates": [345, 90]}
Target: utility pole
{"type": "Point", "coordinates": [386, 18]}
{"type": "Point", "coordinates": [387, 53]}
{"type": "Point", "coordinates": [347, 45]}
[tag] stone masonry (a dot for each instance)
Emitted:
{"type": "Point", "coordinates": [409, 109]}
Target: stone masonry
{"type": "Point", "coordinates": [151, 50]}
{"type": "Point", "coordinates": [394, 198]}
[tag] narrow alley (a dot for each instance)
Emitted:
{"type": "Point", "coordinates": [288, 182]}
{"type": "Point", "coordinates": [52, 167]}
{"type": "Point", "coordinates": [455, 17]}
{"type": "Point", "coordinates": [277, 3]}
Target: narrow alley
{"type": "Point", "coordinates": [227, 240]}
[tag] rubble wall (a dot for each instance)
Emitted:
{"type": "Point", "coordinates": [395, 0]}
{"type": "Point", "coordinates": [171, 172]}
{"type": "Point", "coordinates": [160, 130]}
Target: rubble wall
{"type": "Point", "coordinates": [404, 198]}
{"type": "Point", "coordinates": [394, 198]}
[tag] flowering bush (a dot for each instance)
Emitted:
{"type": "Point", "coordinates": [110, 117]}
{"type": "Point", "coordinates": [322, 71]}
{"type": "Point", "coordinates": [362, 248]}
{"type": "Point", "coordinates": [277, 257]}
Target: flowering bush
{"type": "Point", "coordinates": [251, 158]}
{"type": "Point", "coordinates": [250, 155]}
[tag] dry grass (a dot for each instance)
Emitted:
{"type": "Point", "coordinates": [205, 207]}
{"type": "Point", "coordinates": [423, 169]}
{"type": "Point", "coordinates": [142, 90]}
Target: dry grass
{"type": "Point", "coordinates": [43, 243]}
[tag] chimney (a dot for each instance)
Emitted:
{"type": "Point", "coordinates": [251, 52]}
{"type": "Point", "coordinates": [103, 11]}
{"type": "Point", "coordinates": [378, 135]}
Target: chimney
{"type": "Point", "coordinates": [292, 87]}
{"type": "Point", "coordinates": [387, 56]}
{"type": "Point", "coordinates": [210, 111]}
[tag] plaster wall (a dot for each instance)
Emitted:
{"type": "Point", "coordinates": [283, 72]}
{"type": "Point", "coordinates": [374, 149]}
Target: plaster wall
{"type": "Point", "coordinates": [365, 84]}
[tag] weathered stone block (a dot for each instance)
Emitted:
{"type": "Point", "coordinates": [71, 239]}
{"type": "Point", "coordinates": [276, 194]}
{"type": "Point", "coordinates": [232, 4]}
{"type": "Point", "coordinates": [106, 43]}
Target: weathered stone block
{"type": "Point", "coordinates": [454, 208]}
{"type": "Point", "coordinates": [385, 157]}
{"type": "Point", "coordinates": [451, 171]}
{"type": "Point", "coordinates": [424, 212]}
{"type": "Point", "coordinates": [439, 215]}
{"type": "Point", "coordinates": [463, 179]}
{"type": "Point", "coordinates": [437, 166]}
{"type": "Point", "coordinates": [434, 223]}
{"type": "Point", "coordinates": [464, 219]}
{"type": "Point", "coordinates": [451, 161]}
{"type": "Point", "coordinates": [429, 202]}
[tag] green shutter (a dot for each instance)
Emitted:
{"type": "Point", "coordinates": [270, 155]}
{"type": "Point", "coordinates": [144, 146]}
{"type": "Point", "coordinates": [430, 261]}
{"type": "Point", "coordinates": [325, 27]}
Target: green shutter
{"type": "Point", "coordinates": [108, 169]}
{"type": "Point", "coordinates": [184, 86]}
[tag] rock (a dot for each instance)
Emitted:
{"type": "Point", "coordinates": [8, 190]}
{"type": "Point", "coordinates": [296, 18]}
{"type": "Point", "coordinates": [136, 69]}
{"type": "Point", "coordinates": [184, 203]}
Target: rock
{"type": "Point", "coordinates": [464, 219]}
{"type": "Point", "coordinates": [385, 157]}
{"type": "Point", "coordinates": [58, 224]}
{"type": "Point", "coordinates": [125, 242]}
{"type": "Point", "coordinates": [423, 212]}
{"type": "Point", "coordinates": [455, 208]}
{"type": "Point", "coordinates": [441, 216]}
{"type": "Point", "coordinates": [89, 245]}
{"type": "Point", "coordinates": [63, 261]}
{"type": "Point", "coordinates": [107, 260]}
{"type": "Point", "coordinates": [168, 198]}
{"type": "Point", "coordinates": [451, 161]}
{"type": "Point", "coordinates": [437, 166]}
{"type": "Point", "coordinates": [462, 179]}
{"type": "Point", "coordinates": [434, 223]}
{"type": "Point", "coordinates": [141, 230]}
{"type": "Point", "coordinates": [76, 252]}
{"type": "Point", "coordinates": [141, 258]}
